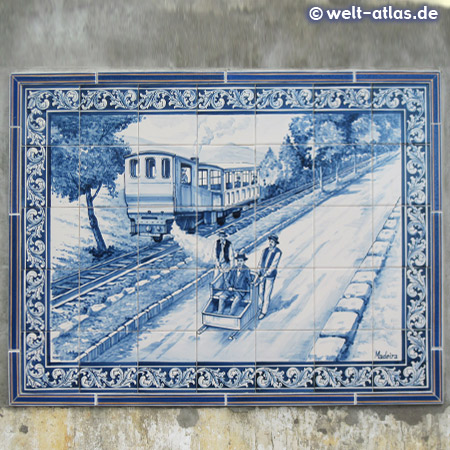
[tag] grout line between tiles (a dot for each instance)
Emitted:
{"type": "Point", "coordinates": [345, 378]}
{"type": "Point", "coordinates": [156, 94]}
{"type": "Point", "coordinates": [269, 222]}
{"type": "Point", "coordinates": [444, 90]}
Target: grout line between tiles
{"type": "Point", "coordinates": [436, 349]}
{"type": "Point", "coordinates": [14, 214]}
{"type": "Point", "coordinates": [354, 76]}
{"type": "Point", "coordinates": [225, 399]}
{"type": "Point", "coordinates": [355, 398]}
{"type": "Point", "coordinates": [96, 77]}
{"type": "Point", "coordinates": [225, 76]}
{"type": "Point", "coordinates": [14, 126]}
{"type": "Point", "coordinates": [14, 351]}
{"type": "Point", "coordinates": [95, 399]}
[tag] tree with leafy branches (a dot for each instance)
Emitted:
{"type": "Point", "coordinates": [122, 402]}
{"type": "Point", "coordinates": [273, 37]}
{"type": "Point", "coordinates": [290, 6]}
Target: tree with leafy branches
{"type": "Point", "coordinates": [361, 137]}
{"type": "Point", "coordinates": [328, 151]}
{"type": "Point", "coordinates": [87, 156]}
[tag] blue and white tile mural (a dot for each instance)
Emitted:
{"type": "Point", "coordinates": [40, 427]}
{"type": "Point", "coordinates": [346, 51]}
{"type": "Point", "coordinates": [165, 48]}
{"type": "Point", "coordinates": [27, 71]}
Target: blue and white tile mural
{"type": "Point", "coordinates": [215, 243]}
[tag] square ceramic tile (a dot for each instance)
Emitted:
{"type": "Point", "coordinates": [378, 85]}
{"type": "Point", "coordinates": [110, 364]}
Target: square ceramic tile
{"type": "Point", "coordinates": [220, 345]}
{"type": "Point", "coordinates": [170, 346]}
{"type": "Point", "coordinates": [66, 191]}
{"type": "Point", "coordinates": [158, 130]}
{"type": "Point", "coordinates": [344, 127]}
{"type": "Point", "coordinates": [175, 292]}
{"type": "Point", "coordinates": [273, 128]}
{"type": "Point", "coordinates": [347, 243]}
{"type": "Point", "coordinates": [295, 180]}
{"type": "Point", "coordinates": [350, 183]}
{"type": "Point", "coordinates": [64, 128]}
{"type": "Point", "coordinates": [110, 161]}
{"type": "Point", "coordinates": [388, 345]}
{"type": "Point", "coordinates": [64, 242]}
{"type": "Point", "coordinates": [234, 238]}
{"type": "Point", "coordinates": [387, 250]}
{"type": "Point", "coordinates": [288, 302]}
{"type": "Point", "coordinates": [284, 346]}
{"type": "Point", "coordinates": [386, 299]}
{"type": "Point", "coordinates": [225, 130]}
{"type": "Point", "coordinates": [387, 127]}
{"type": "Point", "coordinates": [388, 174]}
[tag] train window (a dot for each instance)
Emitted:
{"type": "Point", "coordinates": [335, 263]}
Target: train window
{"type": "Point", "coordinates": [237, 180]}
{"type": "Point", "coordinates": [186, 174]}
{"type": "Point", "coordinates": [134, 168]}
{"type": "Point", "coordinates": [229, 180]}
{"type": "Point", "coordinates": [165, 168]}
{"type": "Point", "coordinates": [150, 167]}
{"type": "Point", "coordinates": [245, 178]}
{"type": "Point", "coordinates": [203, 178]}
{"type": "Point", "coordinates": [255, 178]}
{"type": "Point", "coordinates": [216, 180]}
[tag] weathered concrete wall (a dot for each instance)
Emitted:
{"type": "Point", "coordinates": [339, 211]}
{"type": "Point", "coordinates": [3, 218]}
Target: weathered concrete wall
{"type": "Point", "coordinates": [68, 35]}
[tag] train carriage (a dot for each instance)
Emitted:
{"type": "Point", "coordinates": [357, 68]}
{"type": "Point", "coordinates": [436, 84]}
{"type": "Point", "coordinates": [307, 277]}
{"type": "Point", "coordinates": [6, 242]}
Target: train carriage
{"type": "Point", "coordinates": [162, 187]}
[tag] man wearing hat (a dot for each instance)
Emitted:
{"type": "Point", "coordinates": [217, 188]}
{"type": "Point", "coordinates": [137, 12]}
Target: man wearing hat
{"type": "Point", "coordinates": [267, 272]}
{"type": "Point", "coordinates": [223, 258]}
{"type": "Point", "coordinates": [238, 283]}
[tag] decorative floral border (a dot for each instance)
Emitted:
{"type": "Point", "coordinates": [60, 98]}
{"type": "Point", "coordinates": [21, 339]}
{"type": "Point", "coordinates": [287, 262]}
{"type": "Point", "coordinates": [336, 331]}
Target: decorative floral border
{"type": "Point", "coordinates": [412, 100]}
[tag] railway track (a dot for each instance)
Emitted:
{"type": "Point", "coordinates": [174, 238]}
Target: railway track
{"type": "Point", "coordinates": [81, 283]}
{"type": "Point", "coordinates": [99, 276]}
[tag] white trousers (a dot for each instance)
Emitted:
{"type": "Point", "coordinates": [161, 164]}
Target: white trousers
{"type": "Point", "coordinates": [265, 292]}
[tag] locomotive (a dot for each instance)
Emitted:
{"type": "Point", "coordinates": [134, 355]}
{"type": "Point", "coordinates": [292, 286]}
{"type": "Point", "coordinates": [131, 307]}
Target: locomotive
{"type": "Point", "coordinates": [163, 187]}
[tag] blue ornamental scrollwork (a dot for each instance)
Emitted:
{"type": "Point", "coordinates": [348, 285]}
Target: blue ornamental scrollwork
{"type": "Point", "coordinates": [160, 98]}
{"type": "Point", "coordinates": [278, 98]}
{"type": "Point", "coordinates": [416, 168]}
{"type": "Point", "coordinates": [101, 99]}
{"type": "Point", "coordinates": [38, 102]}
{"type": "Point", "coordinates": [350, 98]}
{"type": "Point", "coordinates": [357, 377]}
{"type": "Point", "coordinates": [148, 99]}
{"type": "Point", "coordinates": [234, 378]}
{"type": "Point", "coordinates": [174, 378]}
{"type": "Point", "coordinates": [416, 229]}
{"type": "Point", "coordinates": [414, 102]}
{"type": "Point", "coordinates": [410, 100]}
{"type": "Point", "coordinates": [293, 377]}
{"type": "Point", "coordinates": [116, 378]}
{"type": "Point", "coordinates": [226, 98]}
{"type": "Point", "coordinates": [37, 377]}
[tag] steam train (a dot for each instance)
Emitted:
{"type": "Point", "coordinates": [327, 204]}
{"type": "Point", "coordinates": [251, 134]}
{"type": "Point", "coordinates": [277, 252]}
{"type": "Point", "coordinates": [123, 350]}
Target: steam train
{"type": "Point", "coordinates": [162, 187]}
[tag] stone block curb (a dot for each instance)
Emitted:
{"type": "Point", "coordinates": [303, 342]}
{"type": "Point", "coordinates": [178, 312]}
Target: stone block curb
{"type": "Point", "coordinates": [339, 331]}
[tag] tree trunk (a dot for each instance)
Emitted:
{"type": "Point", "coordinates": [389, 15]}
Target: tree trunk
{"type": "Point", "coordinates": [93, 222]}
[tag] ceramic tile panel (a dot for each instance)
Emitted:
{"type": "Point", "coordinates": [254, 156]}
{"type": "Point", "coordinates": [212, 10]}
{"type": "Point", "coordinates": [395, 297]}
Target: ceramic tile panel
{"type": "Point", "coordinates": [227, 238]}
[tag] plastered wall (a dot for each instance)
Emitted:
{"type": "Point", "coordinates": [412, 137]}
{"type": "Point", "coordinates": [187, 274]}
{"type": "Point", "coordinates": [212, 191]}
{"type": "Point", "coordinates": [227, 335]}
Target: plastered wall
{"type": "Point", "coordinates": [77, 35]}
